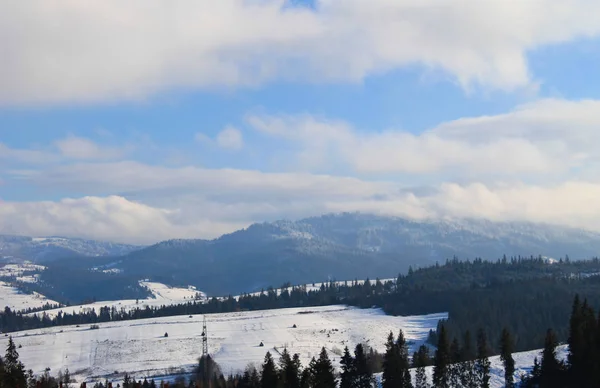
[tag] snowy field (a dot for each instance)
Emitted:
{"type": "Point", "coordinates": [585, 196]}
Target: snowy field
{"type": "Point", "coordinates": [162, 295]}
{"type": "Point", "coordinates": [18, 269]}
{"type": "Point", "coordinates": [139, 346]}
{"type": "Point", "coordinates": [18, 301]}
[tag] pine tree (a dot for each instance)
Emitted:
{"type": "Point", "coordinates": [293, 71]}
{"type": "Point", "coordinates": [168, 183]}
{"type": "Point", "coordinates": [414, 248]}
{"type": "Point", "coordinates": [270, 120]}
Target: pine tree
{"type": "Point", "coordinates": [323, 373]}
{"type": "Point", "coordinates": [420, 361]}
{"type": "Point", "coordinates": [269, 376]}
{"type": "Point", "coordinates": [454, 368]}
{"type": "Point", "coordinates": [289, 370]}
{"type": "Point", "coordinates": [551, 369]}
{"type": "Point", "coordinates": [348, 375]}
{"type": "Point", "coordinates": [576, 341]}
{"type": "Point", "coordinates": [468, 375]}
{"type": "Point", "coordinates": [364, 376]}
{"type": "Point", "coordinates": [506, 350]}
{"type": "Point", "coordinates": [482, 365]}
{"type": "Point", "coordinates": [391, 364]}
{"type": "Point", "coordinates": [404, 364]}
{"type": "Point", "coordinates": [441, 377]}
{"type": "Point", "coordinates": [14, 371]}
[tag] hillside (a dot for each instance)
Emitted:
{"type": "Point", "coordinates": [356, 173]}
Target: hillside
{"type": "Point", "coordinates": [140, 348]}
{"type": "Point", "coordinates": [43, 249]}
{"type": "Point", "coordinates": [342, 246]}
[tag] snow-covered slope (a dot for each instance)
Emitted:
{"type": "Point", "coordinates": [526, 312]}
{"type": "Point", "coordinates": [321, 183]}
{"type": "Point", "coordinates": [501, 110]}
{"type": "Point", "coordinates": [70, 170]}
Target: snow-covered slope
{"type": "Point", "coordinates": [50, 248]}
{"type": "Point", "coordinates": [162, 295]}
{"type": "Point", "coordinates": [139, 346]}
{"type": "Point", "coordinates": [18, 301]}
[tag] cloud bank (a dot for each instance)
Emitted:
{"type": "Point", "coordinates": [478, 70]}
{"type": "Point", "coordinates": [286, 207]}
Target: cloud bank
{"type": "Point", "coordinates": [62, 51]}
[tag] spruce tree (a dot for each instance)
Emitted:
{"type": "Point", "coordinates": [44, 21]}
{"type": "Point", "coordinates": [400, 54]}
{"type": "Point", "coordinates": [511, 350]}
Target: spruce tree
{"type": "Point", "coordinates": [482, 365]}
{"type": "Point", "coordinates": [420, 361]}
{"type": "Point", "coordinates": [576, 342]}
{"type": "Point", "coordinates": [323, 373]}
{"type": "Point", "coordinates": [289, 369]}
{"type": "Point", "coordinates": [364, 376]}
{"type": "Point", "coordinates": [455, 366]}
{"type": "Point", "coordinates": [391, 364]}
{"type": "Point", "coordinates": [506, 350]}
{"type": "Point", "coordinates": [404, 364]}
{"type": "Point", "coordinates": [14, 371]}
{"type": "Point", "coordinates": [551, 370]}
{"type": "Point", "coordinates": [441, 376]}
{"type": "Point", "coordinates": [468, 375]}
{"type": "Point", "coordinates": [269, 373]}
{"type": "Point", "coordinates": [348, 375]}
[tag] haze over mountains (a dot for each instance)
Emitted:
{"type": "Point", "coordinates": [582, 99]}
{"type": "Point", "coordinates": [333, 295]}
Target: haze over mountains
{"type": "Point", "coordinates": [335, 246]}
{"type": "Point", "coordinates": [51, 248]}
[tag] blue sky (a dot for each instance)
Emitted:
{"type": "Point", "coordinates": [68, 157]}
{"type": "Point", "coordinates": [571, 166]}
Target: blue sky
{"type": "Point", "coordinates": [187, 127]}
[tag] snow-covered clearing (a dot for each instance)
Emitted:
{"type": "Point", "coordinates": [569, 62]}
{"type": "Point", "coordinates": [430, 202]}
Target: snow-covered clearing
{"type": "Point", "coordinates": [18, 301]}
{"type": "Point", "coordinates": [139, 347]}
{"type": "Point", "coordinates": [162, 295]}
{"type": "Point", "coordinates": [19, 269]}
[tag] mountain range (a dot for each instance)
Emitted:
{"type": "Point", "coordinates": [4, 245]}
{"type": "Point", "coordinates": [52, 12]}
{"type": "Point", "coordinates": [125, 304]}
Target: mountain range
{"type": "Point", "coordinates": [17, 248]}
{"type": "Point", "coordinates": [341, 246]}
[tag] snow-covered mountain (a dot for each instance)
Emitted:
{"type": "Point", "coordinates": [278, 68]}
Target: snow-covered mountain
{"type": "Point", "coordinates": [50, 248]}
{"type": "Point", "coordinates": [345, 246]}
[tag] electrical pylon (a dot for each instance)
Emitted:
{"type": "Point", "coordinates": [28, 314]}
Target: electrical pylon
{"type": "Point", "coordinates": [204, 339]}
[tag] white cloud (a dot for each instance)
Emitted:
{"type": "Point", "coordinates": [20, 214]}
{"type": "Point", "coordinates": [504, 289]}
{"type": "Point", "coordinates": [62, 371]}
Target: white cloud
{"type": "Point", "coordinates": [79, 148]}
{"type": "Point", "coordinates": [230, 138]}
{"type": "Point", "coordinates": [545, 137]}
{"type": "Point", "coordinates": [25, 156]}
{"type": "Point", "coordinates": [209, 214]}
{"type": "Point", "coordinates": [70, 52]}
{"type": "Point", "coordinates": [109, 218]}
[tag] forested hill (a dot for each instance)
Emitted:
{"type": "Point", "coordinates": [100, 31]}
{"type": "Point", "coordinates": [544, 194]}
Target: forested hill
{"type": "Point", "coordinates": [524, 295]}
{"type": "Point", "coordinates": [341, 246]}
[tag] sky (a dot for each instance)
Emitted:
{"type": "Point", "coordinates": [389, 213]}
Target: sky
{"type": "Point", "coordinates": [143, 120]}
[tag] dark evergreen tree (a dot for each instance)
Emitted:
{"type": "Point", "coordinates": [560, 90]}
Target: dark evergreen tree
{"type": "Point", "coordinates": [392, 368]}
{"type": "Point", "coordinates": [441, 373]}
{"type": "Point", "coordinates": [420, 361]}
{"type": "Point", "coordinates": [348, 375]}
{"type": "Point", "coordinates": [506, 351]}
{"type": "Point", "coordinates": [455, 368]}
{"type": "Point", "coordinates": [289, 370]}
{"type": "Point", "coordinates": [14, 371]}
{"type": "Point", "coordinates": [306, 377]}
{"type": "Point", "coordinates": [468, 376]}
{"type": "Point", "coordinates": [551, 369]}
{"type": "Point", "coordinates": [482, 365]}
{"type": "Point", "coordinates": [323, 373]}
{"type": "Point", "coordinates": [269, 377]}
{"type": "Point", "coordinates": [402, 346]}
{"type": "Point", "coordinates": [364, 376]}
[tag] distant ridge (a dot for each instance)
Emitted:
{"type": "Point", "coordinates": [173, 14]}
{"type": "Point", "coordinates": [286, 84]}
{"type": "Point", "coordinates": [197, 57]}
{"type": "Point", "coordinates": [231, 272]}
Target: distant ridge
{"type": "Point", "coordinates": [344, 246]}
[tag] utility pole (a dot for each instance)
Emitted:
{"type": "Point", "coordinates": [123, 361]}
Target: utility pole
{"type": "Point", "coordinates": [204, 339]}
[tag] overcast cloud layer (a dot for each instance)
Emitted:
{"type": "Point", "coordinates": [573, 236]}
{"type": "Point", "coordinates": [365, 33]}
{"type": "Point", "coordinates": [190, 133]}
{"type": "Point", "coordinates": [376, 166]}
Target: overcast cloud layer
{"type": "Point", "coordinates": [536, 161]}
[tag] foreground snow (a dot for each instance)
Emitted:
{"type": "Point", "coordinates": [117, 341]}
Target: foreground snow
{"type": "Point", "coordinates": [139, 347]}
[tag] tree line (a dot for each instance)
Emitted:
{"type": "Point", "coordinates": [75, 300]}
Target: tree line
{"type": "Point", "coordinates": [454, 365]}
{"type": "Point", "coordinates": [526, 295]}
